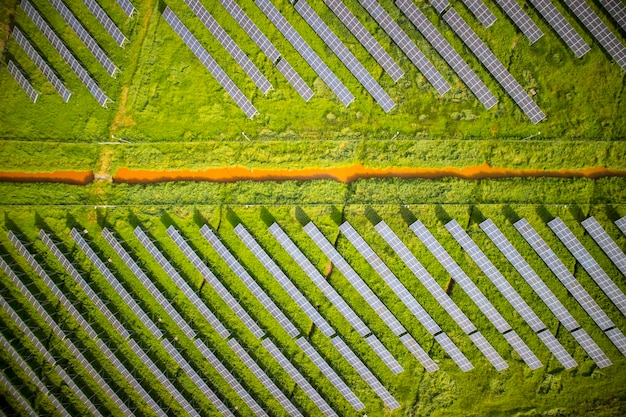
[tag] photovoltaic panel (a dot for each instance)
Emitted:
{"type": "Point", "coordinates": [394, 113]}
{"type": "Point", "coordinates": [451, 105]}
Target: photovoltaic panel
{"type": "Point", "coordinates": [197, 380]}
{"type": "Point", "coordinates": [230, 45]}
{"type": "Point", "coordinates": [317, 278]}
{"type": "Point", "coordinates": [592, 267]}
{"type": "Point", "coordinates": [607, 244]}
{"type": "Point", "coordinates": [564, 275]}
{"type": "Point", "coordinates": [127, 6]}
{"type": "Point", "coordinates": [181, 283]}
{"type": "Point", "coordinates": [455, 353]}
{"type": "Point", "coordinates": [407, 46]}
{"type": "Point", "coordinates": [494, 66]}
{"type": "Point", "coordinates": [41, 63]}
{"type": "Point", "coordinates": [283, 280]}
{"type": "Point", "coordinates": [617, 337]}
{"type": "Point", "coordinates": [384, 354]}
{"type": "Point", "coordinates": [16, 72]}
{"type": "Point", "coordinates": [265, 380]}
{"type": "Point", "coordinates": [617, 10]}
{"type": "Point", "coordinates": [83, 285]}
{"type": "Point", "coordinates": [147, 282]}
{"type": "Point", "coordinates": [85, 36]}
{"type": "Point", "coordinates": [232, 381]}
{"type": "Point", "coordinates": [214, 282]}
{"type": "Point", "coordinates": [343, 53]}
{"type": "Point", "coordinates": [268, 48]}
{"type": "Point", "coordinates": [319, 401]}
{"type": "Point", "coordinates": [17, 396]}
{"type": "Point", "coordinates": [207, 60]}
{"type": "Point", "coordinates": [599, 30]}
{"type": "Point", "coordinates": [65, 53]}
{"type": "Point", "coordinates": [245, 277]}
{"type": "Point", "coordinates": [522, 349]}
{"type": "Point", "coordinates": [488, 350]}
{"type": "Point", "coordinates": [174, 392]}
{"type": "Point", "coordinates": [332, 376]}
{"type": "Point", "coordinates": [440, 5]}
{"type": "Point", "coordinates": [561, 26]}
{"type": "Point", "coordinates": [521, 19]}
{"type": "Point", "coordinates": [447, 52]}
{"type": "Point", "coordinates": [419, 353]}
{"type": "Point", "coordinates": [357, 282]}
{"type": "Point", "coordinates": [367, 40]}
{"type": "Point", "coordinates": [106, 22]}
{"type": "Point", "coordinates": [303, 48]}
{"type": "Point", "coordinates": [592, 348]}
{"type": "Point", "coordinates": [106, 272]}
{"type": "Point", "coordinates": [557, 349]}
{"type": "Point", "coordinates": [365, 373]}
{"type": "Point", "coordinates": [621, 224]}
{"type": "Point", "coordinates": [481, 12]}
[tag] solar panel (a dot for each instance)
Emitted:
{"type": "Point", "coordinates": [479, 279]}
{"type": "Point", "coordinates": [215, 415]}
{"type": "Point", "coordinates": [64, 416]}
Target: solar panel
{"type": "Point", "coordinates": [607, 244]}
{"type": "Point", "coordinates": [621, 224]}
{"type": "Point", "coordinates": [406, 45]}
{"type": "Point", "coordinates": [147, 282]}
{"type": "Point", "coordinates": [317, 278]}
{"type": "Point", "coordinates": [365, 373]}
{"type": "Point", "coordinates": [564, 275]}
{"type": "Point", "coordinates": [557, 349]}
{"type": "Point", "coordinates": [174, 392]}
{"type": "Point", "coordinates": [617, 337]}
{"type": "Point", "coordinates": [561, 26]}
{"type": "Point", "coordinates": [530, 276]}
{"type": "Point", "coordinates": [481, 12]}
{"type": "Point", "coordinates": [447, 52]}
{"type": "Point", "coordinates": [245, 277]}
{"type": "Point", "coordinates": [16, 72]}
{"type": "Point", "coordinates": [592, 348]}
{"type": "Point", "coordinates": [214, 282]}
{"type": "Point", "coordinates": [419, 353]}
{"type": "Point", "coordinates": [305, 51]}
{"type": "Point", "coordinates": [106, 272]}
{"type": "Point", "coordinates": [455, 353]}
{"type": "Point", "coordinates": [41, 63]}
{"type": "Point", "coordinates": [232, 381]}
{"type": "Point", "coordinates": [343, 53]}
{"type": "Point", "coordinates": [106, 22]}
{"type": "Point", "coordinates": [521, 19]}
{"type": "Point", "coordinates": [83, 285]}
{"type": "Point", "coordinates": [617, 10]}
{"type": "Point", "coordinates": [599, 30]}
{"type": "Point", "coordinates": [384, 354]}
{"type": "Point", "coordinates": [494, 66]}
{"type": "Point", "coordinates": [65, 53]}
{"type": "Point", "coordinates": [319, 401]}
{"type": "Point", "coordinates": [207, 60]}
{"type": "Point", "coordinates": [332, 376]}
{"type": "Point", "coordinates": [592, 267]}
{"type": "Point", "coordinates": [197, 380]}
{"type": "Point", "coordinates": [127, 6]}
{"type": "Point", "coordinates": [85, 37]}
{"type": "Point", "coordinates": [440, 5]}
{"type": "Point", "coordinates": [495, 276]}
{"type": "Point", "coordinates": [17, 396]}
{"type": "Point", "coordinates": [357, 282]}
{"type": "Point", "coordinates": [230, 45]}
{"type": "Point", "coordinates": [365, 38]}
{"type": "Point", "coordinates": [283, 280]}
{"type": "Point", "coordinates": [265, 380]}
{"type": "Point", "coordinates": [522, 349]}
{"type": "Point", "coordinates": [489, 351]}
{"type": "Point", "coordinates": [268, 48]}
{"type": "Point", "coordinates": [180, 282]}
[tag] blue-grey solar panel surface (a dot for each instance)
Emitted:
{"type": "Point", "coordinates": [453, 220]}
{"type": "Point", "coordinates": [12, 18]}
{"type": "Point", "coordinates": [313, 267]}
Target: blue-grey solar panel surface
{"type": "Point", "coordinates": [447, 52]}
{"type": "Point", "coordinates": [591, 347]}
{"type": "Point", "coordinates": [303, 48]}
{"type": "Point", "coordinates": [621, 224]}
{"type": "Point", "coordinates": [480, 11]}
{"type": "Point", "coordinates": [365, 38]}
{"type": "Point", "coordinates": [85, 37]}
{"type": "Point", "coordinates": [207, 60]}
{"type": "Point", "coordinates": [617, 10]}
{"type": "Point", "coordinates": [489, 351]}
{"type": "Point", "coordinates": [230, 45]}
{"type": "Point", "coordinates": [17, 396]}
{"type": "Point", "coordinates": [291, 370]}
{"type": "Point", "coordinates": [494, 66]}
{"type": "Point", "coordinates": [384, 354]}
{"type": "Point", "coordinates": [16, 72]}
{"type": "Point", "coordinates": [455, 353]}
{"type": "Point", "coordinates": [617, 337]}
{"type": "Point", "coordinates": [283, 280]}
{"type": "Point", "coordinates": [521, 19]}
{"type": "Point", "coordinates": [245, 277]}
{"type": "Point", "coordinates": [599, 30]}
{"type": "Point", "coordinates": [41, 63]}
{"type": "Point", "coordinates": [65, 53]}
{"type": "Point", "coordinates": [561, 26]}
{"type": "Point", "coordinates": [294, 79]}
{"type": "Point", "coordinates": [557, 349]}
{"type": "Point", "coordinates": [107, 23]}
{"type": "Point", "coordinates": [332, 376]}
{"type": "Point", "coordinates": [343, 53]}
{"type": "Point", "coordinates": [265, 380]}
{"type": "Point", "coordinates": [419, 353]}
{"type": "Point", "coordinates": [395, 32]}
{"type": "Point", "coordinates": [522, 349]}
{"type": "Point", "coordinates": [212, 280]}
{"type": "Point", "coordinates": [608, 245]}
{"type": "Point", "coordinates": [127, 6]}
{"type": "Point", "coordinates": [592, 267]}
{"type": "Point", "coordinates": [181, 283]}
{"type": "Point", "coordinates": [440, 5]}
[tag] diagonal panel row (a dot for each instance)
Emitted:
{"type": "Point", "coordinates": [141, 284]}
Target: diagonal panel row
{"type": "Point", "coordinates": [106, 22]}
{"type": "Point", "coordinates": [17, 73]}
{"type": "Point", "coordinates": [607, 244]}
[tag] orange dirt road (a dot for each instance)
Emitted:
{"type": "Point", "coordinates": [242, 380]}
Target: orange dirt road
{"type": "Point", "coordinates": [65, 177]}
